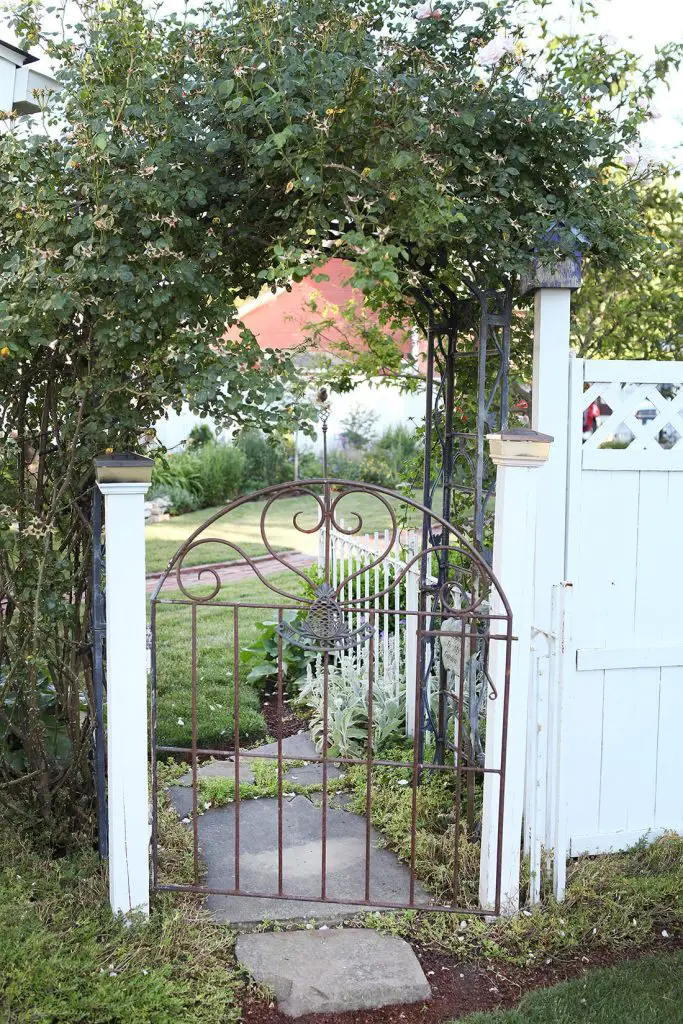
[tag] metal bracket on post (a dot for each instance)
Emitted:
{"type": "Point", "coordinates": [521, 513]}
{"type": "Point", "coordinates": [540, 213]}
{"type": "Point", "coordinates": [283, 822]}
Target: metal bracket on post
{"type": "Point", "coordinates": [98, 633]}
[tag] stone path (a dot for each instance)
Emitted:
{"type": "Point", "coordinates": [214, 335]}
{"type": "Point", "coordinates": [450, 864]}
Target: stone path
{"type": "Point", "coordinates": [302, 822]}
{"type": "Point", "coordinates": [334, 971]}
{"type": "Point", "coordinates": [227, 571]}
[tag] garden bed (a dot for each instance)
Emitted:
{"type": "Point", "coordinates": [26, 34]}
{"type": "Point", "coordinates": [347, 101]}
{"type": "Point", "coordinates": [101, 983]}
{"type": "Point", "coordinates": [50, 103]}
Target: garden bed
{"type": "Point", "coordinates": [459, 990]}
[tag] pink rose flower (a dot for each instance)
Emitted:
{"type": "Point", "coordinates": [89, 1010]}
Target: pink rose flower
{"type": "Point", "coordinates": [428, 11]}
{"type": "Point", "coordinates": [631, 158]}
{"type": "Point", "coordinates": [495, 50]}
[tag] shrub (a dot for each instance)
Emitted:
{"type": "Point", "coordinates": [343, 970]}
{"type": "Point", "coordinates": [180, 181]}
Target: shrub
{"type": "Point", "coordinates": [200, 434]}
{"type": "Point", "coordinates": [199, 478]}
{"type": "Point", "coordinates": [359, 428]}
{"type": "Point", "coordinates": [176, 470]}
{"type": "Point", "coordinates": [342, 466]}
{"type": "Point", "coordinates": [265, 461]}
{"type": "Point", "coordinates": [310, 466]}
{"type": "Point", "coordinates": [375, 468]}
{"type": "Point", "coordinates": [181, 500]}
{"type": "Point", "coordinates": [220, 470]}
{"type": "Point", "coordinates": [400, 446]}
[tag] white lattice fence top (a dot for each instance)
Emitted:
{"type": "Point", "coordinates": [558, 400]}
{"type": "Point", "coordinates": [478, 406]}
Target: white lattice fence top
{"type": "Point", "coordinates": [632, 415]}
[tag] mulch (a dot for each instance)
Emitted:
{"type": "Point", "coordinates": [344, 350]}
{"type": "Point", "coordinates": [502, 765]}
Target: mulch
{"type": "Point", "coordinates": [459, 989]}
{"type": "Point", "coordinates": [292, 723]}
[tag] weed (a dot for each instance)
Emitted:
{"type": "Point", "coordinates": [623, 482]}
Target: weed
{"type": "Point", "coordinates": [618, 901]}
{"type": "Point", "coordinates": [218, 791]}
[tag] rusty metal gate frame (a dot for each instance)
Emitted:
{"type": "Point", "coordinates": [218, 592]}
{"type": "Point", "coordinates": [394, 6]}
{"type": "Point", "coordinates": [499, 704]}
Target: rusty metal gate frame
{"type": "Point", "coordinates": [325, 631]}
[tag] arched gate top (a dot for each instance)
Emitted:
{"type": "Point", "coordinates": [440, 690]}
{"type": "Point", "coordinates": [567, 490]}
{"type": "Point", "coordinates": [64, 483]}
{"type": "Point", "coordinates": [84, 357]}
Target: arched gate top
{"type": "Point", "coordinates": [465, 585]}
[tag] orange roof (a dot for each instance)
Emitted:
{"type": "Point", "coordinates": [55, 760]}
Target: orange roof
{"type": "Point", "coordinates": [279, 320]}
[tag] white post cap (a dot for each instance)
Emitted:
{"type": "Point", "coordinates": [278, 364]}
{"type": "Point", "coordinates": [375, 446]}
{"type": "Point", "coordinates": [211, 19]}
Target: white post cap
{"type": "Point", "coordinates": [519, 448]}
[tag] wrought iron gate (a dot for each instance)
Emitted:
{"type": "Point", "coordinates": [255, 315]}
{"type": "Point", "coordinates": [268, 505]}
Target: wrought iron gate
{"type": "Point", "coordinates": [462, 616]}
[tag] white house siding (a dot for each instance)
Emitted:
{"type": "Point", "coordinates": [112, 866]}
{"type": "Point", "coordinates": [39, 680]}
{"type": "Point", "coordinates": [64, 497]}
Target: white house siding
{"type": "Point", "coordinates": [386, 401]}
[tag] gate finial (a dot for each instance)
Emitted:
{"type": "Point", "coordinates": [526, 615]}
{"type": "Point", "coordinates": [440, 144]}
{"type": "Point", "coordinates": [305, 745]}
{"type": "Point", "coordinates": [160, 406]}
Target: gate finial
{"type": "Point", "coordinates": [323, 400]}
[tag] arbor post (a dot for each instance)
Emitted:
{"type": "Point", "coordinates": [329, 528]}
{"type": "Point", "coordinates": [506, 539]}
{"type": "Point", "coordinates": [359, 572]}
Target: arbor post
{"type": "Point", "coordinates": [123, 480]}
{"type": "Point", "coordinates": [517, 454]}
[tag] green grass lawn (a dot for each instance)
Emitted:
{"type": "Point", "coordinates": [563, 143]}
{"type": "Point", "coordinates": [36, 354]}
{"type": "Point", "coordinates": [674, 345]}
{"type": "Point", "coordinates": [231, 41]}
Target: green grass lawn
{"type": "Point", "coordinates": [65, 960]}
{"type": "Point", "coordinates": [242, 527]}
{"type": "Point", "coordinates": [215, 667]}
{"type": "Point", "coordinates": [642, 992]}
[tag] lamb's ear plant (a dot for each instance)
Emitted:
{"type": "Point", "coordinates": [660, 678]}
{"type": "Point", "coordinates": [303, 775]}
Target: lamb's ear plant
{"type": "Point", "coordinates": [348, 704]}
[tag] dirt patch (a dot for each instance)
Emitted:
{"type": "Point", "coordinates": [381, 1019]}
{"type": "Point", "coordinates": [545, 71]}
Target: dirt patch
{"type": "Point", "coordinates": [292, 721]}
{"type": "Point", "coordinates": [459, 989]}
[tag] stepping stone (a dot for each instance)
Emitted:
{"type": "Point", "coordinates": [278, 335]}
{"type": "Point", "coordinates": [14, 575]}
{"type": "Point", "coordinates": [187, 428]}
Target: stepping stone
{"type": "Point", "coordinates": [219, 769]}
{"type": "Point", "coordinates": [294, 748]}
{"type": "Point", "coordinates": [334, 971]}
{"type": "Point", "coordinates": [299, 748]}
{"type": "Point", "coordinates": [301, 861]}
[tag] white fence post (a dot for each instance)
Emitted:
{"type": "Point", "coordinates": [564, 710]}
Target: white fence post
{"type": "Point", "coordinates": [550, 413]}
{"type": "Point", "coordinates": [412, 581]}
{"type": "Point", "coordinates": [517, 454]}
{"type": "Point", "coordinates": [124, 480]}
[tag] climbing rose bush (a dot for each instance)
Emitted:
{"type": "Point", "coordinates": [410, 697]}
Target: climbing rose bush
{"type": "Point", "coordinates": [188, 162]}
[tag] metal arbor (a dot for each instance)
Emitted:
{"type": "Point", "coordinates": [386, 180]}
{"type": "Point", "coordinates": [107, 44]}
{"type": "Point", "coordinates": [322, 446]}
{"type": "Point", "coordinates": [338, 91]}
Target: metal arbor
{"type": "Point", "coordinates": [467, 337]}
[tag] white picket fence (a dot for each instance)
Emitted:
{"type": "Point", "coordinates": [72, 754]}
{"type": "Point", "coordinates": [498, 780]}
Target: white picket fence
{"type": "Point", "coordinates": [394, 648]}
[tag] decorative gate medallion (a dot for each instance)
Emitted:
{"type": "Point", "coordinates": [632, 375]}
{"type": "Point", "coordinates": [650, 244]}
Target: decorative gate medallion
{"type": "Point", "coordinates": [324, 628]}
{"type": "Point", "coordinates": [419, 623]}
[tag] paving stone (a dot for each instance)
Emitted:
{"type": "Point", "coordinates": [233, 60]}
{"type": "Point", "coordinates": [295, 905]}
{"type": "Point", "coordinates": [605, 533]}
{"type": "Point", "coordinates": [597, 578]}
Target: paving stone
{"type": "Point", "coordinates": [334, 971]}
{"type": "Point", "coordinates": [312, 774]}
{"type": "Point", "coordinates": [219, 769]}
{"type": "Point", "coordinates": [301, 860]}
{"type": "Point", "coordinates": [299, 748]}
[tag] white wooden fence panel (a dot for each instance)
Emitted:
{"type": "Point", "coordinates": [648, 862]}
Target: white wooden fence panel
{"type": "Point", "coordinates": [624, 690]}
{"type": "Point", "coordinates": [669, 798]}
{"type": "Point", "coordinates": [584, 714]}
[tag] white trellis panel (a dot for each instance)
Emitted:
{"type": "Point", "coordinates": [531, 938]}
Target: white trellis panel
{"type": "Point", "coordinates": [624, 686]}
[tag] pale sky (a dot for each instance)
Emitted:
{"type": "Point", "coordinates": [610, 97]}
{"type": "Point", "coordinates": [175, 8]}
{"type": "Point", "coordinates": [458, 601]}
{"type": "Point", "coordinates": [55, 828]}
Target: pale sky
{"type": "Point", "coordinates": [639, 25]}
